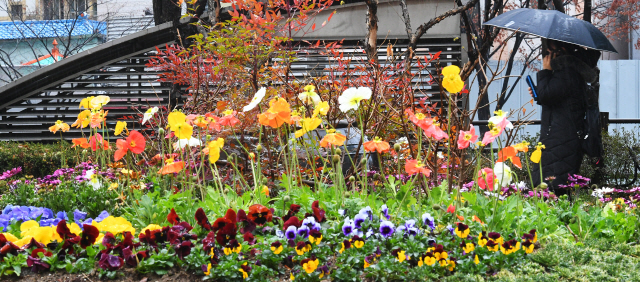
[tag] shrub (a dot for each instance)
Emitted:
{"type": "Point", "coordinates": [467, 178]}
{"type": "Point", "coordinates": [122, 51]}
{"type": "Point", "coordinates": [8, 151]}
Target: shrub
{"type": "Point", "coordinates": [36, 159]}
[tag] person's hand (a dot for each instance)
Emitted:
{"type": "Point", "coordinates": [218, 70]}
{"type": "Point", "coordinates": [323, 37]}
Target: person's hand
{"type": "Point", "coordinates": [546, 61]}
{"type": "Point", "coordinates": [530, 92]}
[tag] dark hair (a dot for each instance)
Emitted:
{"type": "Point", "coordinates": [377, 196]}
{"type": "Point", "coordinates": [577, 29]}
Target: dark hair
{"type": "Point", "coordinates": [588, 56]}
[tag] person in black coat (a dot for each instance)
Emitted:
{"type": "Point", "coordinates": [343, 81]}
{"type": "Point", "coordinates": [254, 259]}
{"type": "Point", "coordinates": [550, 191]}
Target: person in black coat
{"type": "Point", "coordinates": [561, 92]}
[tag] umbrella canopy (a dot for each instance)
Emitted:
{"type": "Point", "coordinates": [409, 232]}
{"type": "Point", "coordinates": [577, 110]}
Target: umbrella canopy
{"type": "Point", "coordinates": [554, 25]}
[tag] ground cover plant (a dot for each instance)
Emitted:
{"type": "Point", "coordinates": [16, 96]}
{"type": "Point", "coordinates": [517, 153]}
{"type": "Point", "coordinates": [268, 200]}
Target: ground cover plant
{"type": "Point", "coordinates": [341, 177]}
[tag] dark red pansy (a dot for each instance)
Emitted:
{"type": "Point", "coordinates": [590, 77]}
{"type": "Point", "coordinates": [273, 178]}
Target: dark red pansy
{"type": "Point", "coordinates": [249, 238]}
{"type": "Point", "coordinates": [68, 243]}
{"type": "Point", "coordinates": [293, 221]}
{"type": "Point", "coordinates": [89, 235]}
{"type": "Point", "coordinates": [35, 253]}
{"type": "Point", "coordinates": [259, 214]}
{"type": "Point", "coordinates": [202, 219]}
{"type": "Point", "coordinates": [37, 265]}
{"type": "Point", "coordinates": [183, 249]}
{"type": "Point", "coordinates": [173, 217]}
{"type": "Point", "coordinates": [33, 243]}
{"type": "Point", "coordinates": [63, 230]}
{"type": "Point", "coordinates": [246, 225]}
{"type": "Point", "coordinates": [9, 248]}
{"type": "Point", "coordinates": [185, 225]}
{"type": "Point", "coordinates": [318, 213]}
{"type": "Point", "coordinates": [209, 242]}
{"type": "Point", "coordinates": [224, 235]}
{"type": "Point", "coordinates": [108, 240]}
{"type": "Point", "coordinates": [129, 258]}
{"type": "Point", "coordinates": [109, 262]}
{"type": "Point", "coordinates": [230, 218]}
{"type": "Point", "coordinates": [293, 210]}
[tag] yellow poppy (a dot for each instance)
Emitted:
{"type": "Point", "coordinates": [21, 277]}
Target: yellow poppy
{"type": "Point", "coordinates": [537, 154]}
{"type": "Point", "coordinates": [308, 124]}
{"type": "Point", "coordinates": [121, 125]}
{"type": "Point", "coordinates": [83, 120]}
{"type": "Point", "coordinates": [322, 108]}
{"type": "Point", "coordinates": [60, 125]}
{"type": "Point", "coordinates": [214, 149]}
{"type": "Point", "coordinates": [86, 102]}
{"type": "Point", "coordinates": [99, 101]}
{"type": "Point", "coordinates": [451, 79]}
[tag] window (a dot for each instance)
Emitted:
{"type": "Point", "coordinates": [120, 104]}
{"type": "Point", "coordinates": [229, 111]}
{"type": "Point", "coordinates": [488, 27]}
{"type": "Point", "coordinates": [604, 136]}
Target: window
{"type": "Point", "coordinates": [16, 12]}
{"type": "Point", "coordinates": [51, 9]}
{"type": "Point", "coordinates": [78, 6]}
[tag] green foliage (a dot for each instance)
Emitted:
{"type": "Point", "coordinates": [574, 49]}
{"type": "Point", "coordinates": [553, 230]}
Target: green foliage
{"type": "Point", "coordinates": [36, 159]}
{"type": "Point", "coordinates": [159, 263]}
{"type": "Point", "coordinates": [13, 264]}
{"type": "Point", "coordinates": [619, 166]}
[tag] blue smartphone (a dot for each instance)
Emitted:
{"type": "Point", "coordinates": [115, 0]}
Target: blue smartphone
{"type": "Point", "coordinates": [533, 87]}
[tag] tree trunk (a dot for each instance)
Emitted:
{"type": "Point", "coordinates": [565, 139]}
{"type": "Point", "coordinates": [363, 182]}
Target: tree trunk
{"type": "Point", "coordinates": [165, 11]}
{"type": "Point", "coordinates": [370, 43]}
{"type": "Point", "coordinates": [587, 10]}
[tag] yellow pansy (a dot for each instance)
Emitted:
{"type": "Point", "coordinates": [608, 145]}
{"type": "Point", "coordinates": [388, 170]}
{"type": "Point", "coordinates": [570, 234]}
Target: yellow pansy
{"type": "Point", "coordinates": [115, 225]}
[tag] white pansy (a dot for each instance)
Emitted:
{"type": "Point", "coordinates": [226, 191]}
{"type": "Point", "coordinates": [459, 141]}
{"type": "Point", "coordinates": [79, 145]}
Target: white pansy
{"type": "Point", "coordinates": [149, 114]}
{"type": "Point", "coordinates": [350, 98]}
{"type": "Point", "coordinates": [503, 175]}
{"type": "Point", "coordinates": [256, 100]}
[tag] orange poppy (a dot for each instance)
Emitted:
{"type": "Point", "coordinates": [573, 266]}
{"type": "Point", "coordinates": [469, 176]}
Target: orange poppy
{"type": "Point", "coordinates": [376, 145]}
{"type": "Point", "coordinates": [420, 119]}
{"type": "Point", "coordinates": [332, 138]}
{"type": "Point", "coordinates": [415, 166]}
{"type": "Point", "coordinates": [279, 113]}
{"type": "Point", "coordinates": [60, 125]}
{"type": "Point", "coordinates": [97, 118]}
{"type": "Point", "coordinates": [82, 142]}
{"type": "Point", "coordinates": [509, 153]}
{"type": "Point", "coordinates": [171, 167]}
{"type": "Point", "coordinates": [134, 142]}
{"type": "Point", "coordinates": [477, 219]}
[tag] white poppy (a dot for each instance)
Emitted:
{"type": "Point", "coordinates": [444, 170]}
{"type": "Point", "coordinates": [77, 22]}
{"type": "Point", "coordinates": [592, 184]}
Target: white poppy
{"type": "Point", "coordinates": [149, 114]}
{"type": "Point", "coordinates": [309, 96]}
{"type": "Point", "coordinates": [501, 117]}
{"type": "Point", "coordinates": [503, 175]}
{"type": "Point", "coordinates": [256, 100]}
{"type": "Point", "coordinates": [192, 142]}
{"type": "Point", "coordinates": [350, 98]}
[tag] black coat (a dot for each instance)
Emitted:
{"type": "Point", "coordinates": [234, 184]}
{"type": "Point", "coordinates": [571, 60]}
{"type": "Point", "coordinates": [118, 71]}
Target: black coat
{"type": "Point", "coordinates": [561, 93]}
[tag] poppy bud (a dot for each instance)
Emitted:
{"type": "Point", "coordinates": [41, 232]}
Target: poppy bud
{"type": "Point", "coordinates": [347, 194]}
{"type": "Point", "coordinates": [161, 131]}
{"type": "Point", "coordinates": [352, 179]}
{"type": "Point", "coordinates": [543, 185]}
{"type": "Point", "coordinates": [336, 159]}
{"type": "Point", "coordinates": [466, 204]}
{"type": "Point", "coordinates": [259, 148]}
{"type": "Point", "coordinates": [338, 152]}
{"type": "Point", "coordinates": [436, 207]}
{"type": "Point", "coordinates": [208, 137]}
{"type": "Point", "coordinates": [377, 176]}
{"type": "Point", "coordinates": [363, 161]}
{"type": "Point", "coordinates": [265, 181]}
{"type": "Point", "coordinates": [194, 178]}
{"type": "Point", "coordinates": [232, 156]}
{"type": "Point", "coordinates": [286, 198]}
{"type": "Point", "coordinates": [397, 147]}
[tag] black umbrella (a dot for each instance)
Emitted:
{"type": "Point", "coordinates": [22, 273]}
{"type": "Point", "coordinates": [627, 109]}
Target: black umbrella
{"type": "Point", "coordinates": [554, 25]}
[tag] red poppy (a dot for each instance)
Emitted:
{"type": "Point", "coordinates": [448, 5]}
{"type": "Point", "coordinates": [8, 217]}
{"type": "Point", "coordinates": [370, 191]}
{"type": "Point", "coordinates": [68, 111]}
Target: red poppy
{"type": "Point", "coordinates": [451, 209]}
{"type": "Point", "coordinates": [318, 213]}
{"type": "Point", "coordinates": [134, 142]}
{"type": "Point", "coordinates": [376, 145]}
{"type": "Point", "coordinates": [173, 217]}
{"type": "Point", "coordinates": [259, 214]}
{"type": "Point", "coordinates": [96, 141]}
{"type": "Point", "coordinates": [89, 235]}
{"type": "Point", "coordinates": [229, 119]}
{"type": "Point", "coordinates": [202, 219]}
